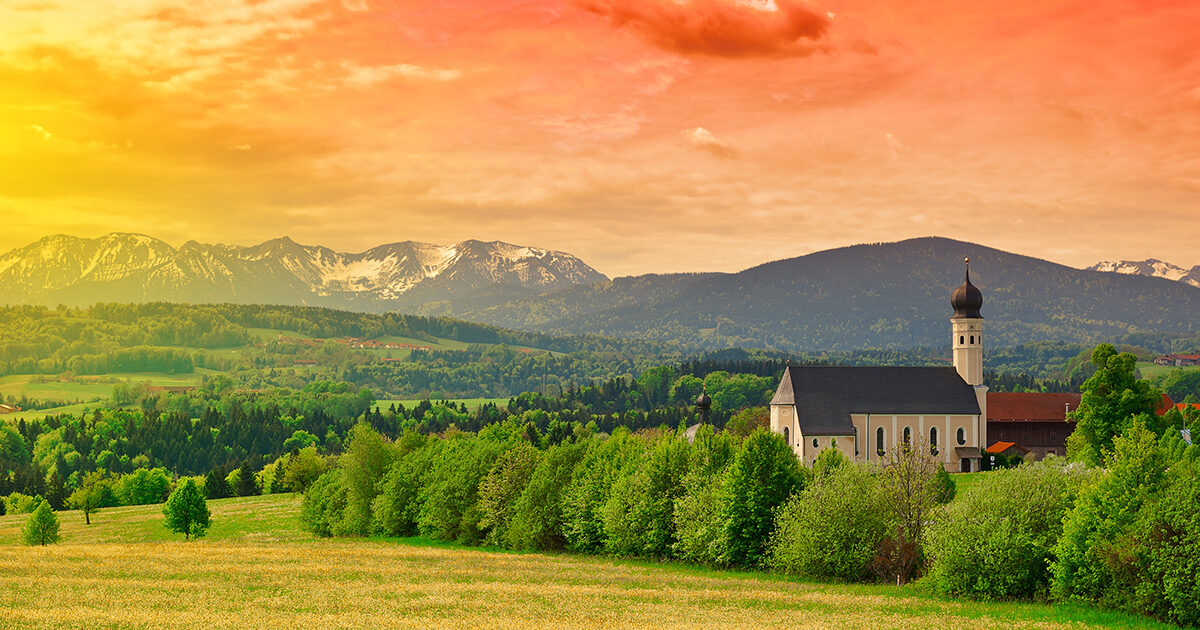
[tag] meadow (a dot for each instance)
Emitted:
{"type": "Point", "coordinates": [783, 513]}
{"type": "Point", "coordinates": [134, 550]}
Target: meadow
{"type": "Point", "coordinates": [256, 568]}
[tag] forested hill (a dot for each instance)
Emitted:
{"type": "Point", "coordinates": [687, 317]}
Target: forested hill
{"type": "Point", "coordinates": [889, 295]}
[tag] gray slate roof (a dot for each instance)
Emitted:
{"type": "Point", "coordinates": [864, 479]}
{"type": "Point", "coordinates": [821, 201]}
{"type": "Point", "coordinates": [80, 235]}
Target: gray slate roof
{"type": "Point", "coordinates": [825, 396]}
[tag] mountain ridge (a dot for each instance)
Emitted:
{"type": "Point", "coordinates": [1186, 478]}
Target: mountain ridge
{"type": "Point", "coordinates": [1151, 267]}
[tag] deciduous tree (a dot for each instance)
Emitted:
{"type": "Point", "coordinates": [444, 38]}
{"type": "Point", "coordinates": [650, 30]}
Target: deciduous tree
{"type": "Point", "coordinates": [187, 511]}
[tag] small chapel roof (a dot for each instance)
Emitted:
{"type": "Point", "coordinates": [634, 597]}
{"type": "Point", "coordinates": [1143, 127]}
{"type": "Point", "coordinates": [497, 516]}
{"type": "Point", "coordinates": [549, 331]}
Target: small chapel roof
{"type": "Point", "coordinates": [825, 396]}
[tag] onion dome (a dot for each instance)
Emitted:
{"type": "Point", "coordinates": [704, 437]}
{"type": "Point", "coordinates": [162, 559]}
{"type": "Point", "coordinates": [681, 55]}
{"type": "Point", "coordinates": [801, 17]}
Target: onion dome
{"type": "Point", "coordinates": [704, 402]}
{"type": "Point", "coordinates": [967, 298]}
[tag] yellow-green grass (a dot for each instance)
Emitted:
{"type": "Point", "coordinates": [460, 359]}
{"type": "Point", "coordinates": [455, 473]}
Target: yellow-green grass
{"type": "Point", "coordinates": [22, 384]}
{"type": "Point", "coordinates": [965, 481]}
{"type": "Point", "coordinates": [271, 334]}
{"type": "Point", "coordinates": [1153, 370]}
{"type": "Point", "coordinates": [257, 570]}
{"type": "Point", "coordinates": [472, 403]}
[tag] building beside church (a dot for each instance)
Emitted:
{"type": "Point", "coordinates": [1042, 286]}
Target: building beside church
{"type": "Point", "coordinates": [866, 412]}
{"type": "Point", "coordinates": [1036, 422]}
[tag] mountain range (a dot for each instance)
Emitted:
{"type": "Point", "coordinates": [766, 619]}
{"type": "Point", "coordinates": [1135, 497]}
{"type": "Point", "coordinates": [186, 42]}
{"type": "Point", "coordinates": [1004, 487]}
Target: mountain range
{"type": "Point", "coordinates": [1151, 267]}
{"type": "Point", "coordinates": [883, 295]}
{"type": "Point", "coordinates": [136, 268]}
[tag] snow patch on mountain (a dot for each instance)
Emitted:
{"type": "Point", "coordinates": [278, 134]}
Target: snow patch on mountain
{"type": "Point", "coordinates": [1151, 267]}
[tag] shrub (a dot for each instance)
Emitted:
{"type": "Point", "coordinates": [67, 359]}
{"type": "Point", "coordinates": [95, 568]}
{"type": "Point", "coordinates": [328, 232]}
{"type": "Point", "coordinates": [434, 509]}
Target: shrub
{"type": "Point", "coordinates": [450, 495]}
{"type": "Point", "coordinates": [639, 517]}
{"type": "Point", "coordinates": [398, 503]}
{"type": "Point", "coordinates": [700, 512]}
{"type": "Point", "coordinates": [834, 528]}
{"type": "Point", "coordinates": [995, 542]}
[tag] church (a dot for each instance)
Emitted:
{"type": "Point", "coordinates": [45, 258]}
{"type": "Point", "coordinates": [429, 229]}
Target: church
{"type": "Point", "coordinates": [865, 412]}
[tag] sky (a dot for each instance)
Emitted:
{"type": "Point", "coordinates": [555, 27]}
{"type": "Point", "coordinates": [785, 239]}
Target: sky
{"type": "Point", "coordinates": [641, 135]}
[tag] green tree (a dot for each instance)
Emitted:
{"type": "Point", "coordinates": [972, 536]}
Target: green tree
{"type": "Point", "coordinates": [367, 458]}
{"type": "Point", "coordinates": [502, 486]}
{"type": "Point", "coordinates": [764, 474]}
{"type": "Point", "coordinates": [301, 469]}
{"type": "Point", "coordinates": [1091, 554]}
{"type": "Point", "coordinates": [89, 496]}
{"type": "Point", "coordinates": [537, 514]}
{"type": "Point", "coordinates": [186, 511]}
{"type": "Point", "coordinates": [41, 528]}
{"type": "Point", "coordinates": [1112, 398]}
{"type": "Point", "coordinates": [908, 480]}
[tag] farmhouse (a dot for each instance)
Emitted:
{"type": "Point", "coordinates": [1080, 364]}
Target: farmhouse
{"type": "Point", "coordinates": [866, 412]}
{"type": "Point", "coordinates": [1036, 422]}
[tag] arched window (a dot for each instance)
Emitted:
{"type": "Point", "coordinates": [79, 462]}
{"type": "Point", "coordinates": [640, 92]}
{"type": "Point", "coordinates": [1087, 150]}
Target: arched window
{"type": "Point", "coordinates": [815, 442]}
{"type": "Point", "coordinates": [972, 338]}
{"type": "Point", "coordinates": [962, 436]}
{"type": "Point", "coordinates": [908, 435]}
{"type": "Point", "coordinates": [879, 441]}
{"type": "Point", "coordinates": [785, 436]}
{"type": "Point", "coordinates": [962, 340]}
{"type": "Point", "coordinates": [933, 444]}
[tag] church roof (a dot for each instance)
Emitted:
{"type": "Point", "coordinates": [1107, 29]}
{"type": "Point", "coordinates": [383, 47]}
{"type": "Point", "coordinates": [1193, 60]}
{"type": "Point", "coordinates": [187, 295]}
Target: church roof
{"type": "Point", "coordinates": [825, 396]}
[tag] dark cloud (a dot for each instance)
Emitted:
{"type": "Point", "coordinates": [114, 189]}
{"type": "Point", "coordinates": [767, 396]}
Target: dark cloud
{"type": "Point", "coordinates": [719, 28]}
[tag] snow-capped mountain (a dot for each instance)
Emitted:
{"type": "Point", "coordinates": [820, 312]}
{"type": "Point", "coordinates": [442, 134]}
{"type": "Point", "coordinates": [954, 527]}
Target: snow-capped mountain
{"type": "Point", "coordinates": [136, 268]}
{"type": "Point", "coordinates": [1151, 267]}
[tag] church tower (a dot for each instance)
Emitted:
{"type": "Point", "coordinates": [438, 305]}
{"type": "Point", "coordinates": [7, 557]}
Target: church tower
{"type": "Point", "coordinates": [966, 326]}
{"type": "Point", "coordinates": [967, 329]}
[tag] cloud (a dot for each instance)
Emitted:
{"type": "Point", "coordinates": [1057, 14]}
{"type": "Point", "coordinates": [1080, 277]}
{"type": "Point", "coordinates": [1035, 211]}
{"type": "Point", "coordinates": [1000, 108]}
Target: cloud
{"type": "Point", "coordinates": [46, 135]}
{"type": "Point", "coordinates": [703, 139]}
{"type": "Point", "coordinates": [362, 76]}
{"type": "Point", "coordinates": [355, 5]}
{"type": "Point", "coordinates": [719, 28]}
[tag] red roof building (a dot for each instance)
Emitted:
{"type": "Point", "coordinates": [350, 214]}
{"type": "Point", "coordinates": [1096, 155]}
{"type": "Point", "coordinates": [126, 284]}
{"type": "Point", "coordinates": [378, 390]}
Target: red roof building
{"type": "Point", "coordinates": [1034, 422]}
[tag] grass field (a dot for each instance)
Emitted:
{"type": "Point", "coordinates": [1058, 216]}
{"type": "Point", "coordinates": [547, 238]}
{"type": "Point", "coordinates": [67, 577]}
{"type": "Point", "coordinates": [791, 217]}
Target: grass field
{"type": "Point", "coordinates": [1152, 370]}
{"type": "Point", "coordinates": [256, 569]}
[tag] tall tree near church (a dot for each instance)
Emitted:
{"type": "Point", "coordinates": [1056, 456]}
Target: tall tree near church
{"type": "Point", "coordinates": [1112, 398]}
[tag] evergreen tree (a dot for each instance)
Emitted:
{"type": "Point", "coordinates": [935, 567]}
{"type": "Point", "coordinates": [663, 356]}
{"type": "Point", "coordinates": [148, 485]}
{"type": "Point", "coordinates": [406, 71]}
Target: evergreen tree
{"type": "Point", "coordinates": [215, 486]}
{"type": "Point", "coordinates": [247, 484]}
{"type": "Point", "coordinates": [186, 511]}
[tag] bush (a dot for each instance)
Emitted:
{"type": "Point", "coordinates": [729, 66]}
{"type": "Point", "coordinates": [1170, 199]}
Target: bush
{"type": "Point", "coordinates": [17, 503]}
{"type": "Point", "coordinates": [639, 518]}
{"type": "Point", "coordinates": [700, 512]}
{"type": "Point", "coordinates": [450, 495]}
{"type": "Point", "coordinates": [995, 542]}
{"type": "Point", "coordinates": [834, 528]}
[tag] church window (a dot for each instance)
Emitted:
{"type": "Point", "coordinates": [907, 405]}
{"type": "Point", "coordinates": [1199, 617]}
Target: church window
{"type": "Point", "coordinates": [785, 436]}
{"type": "Point", "coordinates": [815, 442]}
{"type": "Point", "coordinates": [933, 443]}
{"type": "Point", "coordinates": [879, 441]}
{"type": "Point", "coordinates": [907, 435]}
{"type": "Point", "coordinates": [972, 338]}
{"type": "Point", "coordinates": [962, 339]}
{"type": "Point", "coordinates": [962, 436]}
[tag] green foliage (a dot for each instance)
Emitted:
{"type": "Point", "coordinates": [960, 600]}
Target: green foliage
{"type": "Point", "coordinates": [299, 469]}
{"type": "Point", "coordinates": [590, 488]}
{"type": "Point", "coordinates": [828, 461]}
{"type": "Point", "coordinates": [144, 486]}
{"type": "Point", "coordinates": [1168, 549]}
{"type": "Point", "coordinates": [1092, 556]}
{"type": "Point", "coordinates": [537, 515]}
{"type": "Point", "coordinates": [186, 511]}
{"type": "Point", "coordinates": [639, 516]}
{"type": "Point", "coordinates": [367, 457]}
{"type": "Point", "coordinates": [502, 486]}
{"type": "Point", "coordinates": [91, 495]}
{"type": "Point", "coordinates": [41, 528]}
{"type": "Point", "coordinates": [398, 505]}
{"type": "Point", "coordinates": [450, 495]}
{"type": "Point", "coordinates": [996, 541]}
{"type": "Point", "coordinates": [763, 476]}
{"type": "Point", "coordinates": [323, 510]}
{"type": "Point", "coordinates": [17, 503]}
{"type": "Point", "coordinates": [944, 487]}
{"type": "Point", "coordinates": [1112, 398]}
{"type": "Point", "coordinates": [834, 528]}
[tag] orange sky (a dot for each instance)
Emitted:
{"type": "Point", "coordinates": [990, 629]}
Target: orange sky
{"type": "Point", "coordinates": [642, 135]}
